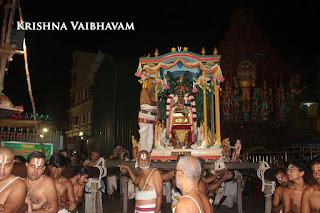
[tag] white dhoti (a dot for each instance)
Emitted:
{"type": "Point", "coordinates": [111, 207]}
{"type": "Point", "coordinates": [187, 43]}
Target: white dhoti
{"type": "Point", "coordinates": [111, 184]}
{"type": "Point", "coordinates": [149, 208]}
{"type": "Point", "coordinates": [230, 191]}
{"type": "Point", "coordinates": [146, 124]}
{"type": "Point", "coordinates": [63, 211]}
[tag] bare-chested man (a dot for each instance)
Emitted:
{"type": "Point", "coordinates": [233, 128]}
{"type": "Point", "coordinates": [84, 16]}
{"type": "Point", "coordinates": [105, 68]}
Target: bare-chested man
{"type": "Point", "coordinates": [42, 195]}
{"type": "Point", "coordinates": [311, 196]}
{"type": "Point", "coordinates": [283, 180]}
{"type": "Point", "coordinates": [64, 187]}
{"type": "Point", "coordinates": [79, 181]}
{"type": "Point", "coordinates": [293, 194]}
{"type": "Point", "coordinates": [12, 189]}
{"type": "Point", "coordinates": [187, 179]}
{"type": "Point", "coordinates": [149, 196]}
{"type": "Point", "coordinates": [213, 182]}
{"type": "Point", "coordinates": [147, 115]}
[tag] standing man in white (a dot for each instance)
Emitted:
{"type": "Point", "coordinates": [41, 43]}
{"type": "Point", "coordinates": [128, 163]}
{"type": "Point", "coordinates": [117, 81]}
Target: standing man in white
{"type": "Point", "coordinates": [147, 116]}
{"type": "Point", "coordinates": [149, 196]}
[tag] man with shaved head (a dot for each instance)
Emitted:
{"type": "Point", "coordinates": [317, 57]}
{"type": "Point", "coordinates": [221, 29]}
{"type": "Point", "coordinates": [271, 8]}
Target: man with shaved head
{"type": "Point", "coordinates": [149, 196]}
{"type": "Point", "coordinates": [188, 173]}
{"type": "Point", "coordinates": [12, 189]}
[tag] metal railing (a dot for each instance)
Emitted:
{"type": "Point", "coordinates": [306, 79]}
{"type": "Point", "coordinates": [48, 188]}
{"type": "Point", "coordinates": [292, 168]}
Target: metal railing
{"type": "Point", "coordinates": [29, 135]}
{"type": "Point", "coordinates": [271, 157]}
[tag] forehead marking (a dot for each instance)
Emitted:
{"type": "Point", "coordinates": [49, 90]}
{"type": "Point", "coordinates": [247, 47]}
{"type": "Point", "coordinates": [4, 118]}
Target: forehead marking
{"type": "Point", "coordinates": [37, 162]}
{"type": "Point", "coordinates": [143, 156]}
{"type": "Point", "coordinates": [278, 176]}
{"type": "Point", "coordinates": [3, 160]}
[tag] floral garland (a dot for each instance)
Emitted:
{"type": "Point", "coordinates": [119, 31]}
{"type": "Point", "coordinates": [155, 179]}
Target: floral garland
{"type": "Point", "coordinates": [144, 77]}
{"type": "Point", "coordinates": [193, 110]}
{"type": "Point", "coordinates": [161, 85]}
{"type": "Point", "coordinates": [172, 98]}
{"type": "Point", "coordinates": [202, 82]}
{"type": "Point", "coordinates": [218, 77]}
{"type": "Point", "coordinates": [205, 68]}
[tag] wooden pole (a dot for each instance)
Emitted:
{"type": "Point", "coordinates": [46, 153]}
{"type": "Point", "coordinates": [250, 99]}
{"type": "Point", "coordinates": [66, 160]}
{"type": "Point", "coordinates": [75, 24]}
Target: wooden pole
{"type": "Point", "coordinates": [31, 95]}
{"type": "Point", "coordinates": [5, 37]}
{"type": "Point", "coordinates": [172, 165]}
{"type": "Point", "coordinates": [239, 185]}
{"type": "Point", "coordinates": [217, 114]}
{"type": "Point", "coordinates": [205, 113]}
{"type": "Point", "coordinates": [268, 198]}
{"type": "Point", "coordinates": [125, 195]}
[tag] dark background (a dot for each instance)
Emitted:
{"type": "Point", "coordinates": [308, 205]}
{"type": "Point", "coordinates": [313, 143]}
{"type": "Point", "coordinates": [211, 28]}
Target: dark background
{"type": "Point", "coordinates": [291, 27]}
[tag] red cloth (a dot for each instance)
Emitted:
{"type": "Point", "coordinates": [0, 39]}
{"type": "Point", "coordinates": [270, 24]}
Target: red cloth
{"type": "Point", "coordinates": [182, 127]}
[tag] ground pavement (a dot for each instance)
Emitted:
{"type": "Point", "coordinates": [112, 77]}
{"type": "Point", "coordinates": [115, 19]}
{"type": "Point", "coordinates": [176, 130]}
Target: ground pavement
{"type": "Point", "coordinates": [251, 206]}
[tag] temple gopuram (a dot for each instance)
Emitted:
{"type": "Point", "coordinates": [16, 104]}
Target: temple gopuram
{"type": "Point", "coordinates": [260, 89]}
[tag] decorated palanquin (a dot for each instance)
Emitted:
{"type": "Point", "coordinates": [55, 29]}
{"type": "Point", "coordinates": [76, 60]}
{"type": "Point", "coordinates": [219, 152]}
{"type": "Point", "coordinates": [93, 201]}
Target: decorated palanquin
{"type": "Point", "coordinates": [187, 89]}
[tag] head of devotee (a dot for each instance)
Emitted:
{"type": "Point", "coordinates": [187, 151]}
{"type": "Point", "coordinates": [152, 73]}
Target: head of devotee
{"type": "Point", "coordinates": [95, 156]}
{"type": "Point", "coordinates": [144, 159]}
{"type": "Point", "coordinates": [57, 164]}
{"type": "Point", "coordinates": [36, 164]}
{"type": "Point", "coordinates": [282, 177]}
{"type": "Point", "coordinates": [63, 152]}
{"type": "Point", "coordinates": [188, 170]}
{"type": "Point", "coordinates": [296, 169]}
{"type": "Point", "coordinates": [150, 83]}
{"type": "Point", "coordinates": [82, 175]}
{"type": "Point", "coordinates": [315, 168]}
{"type": "Point", "coordinates": [74, 160]}
{"type": "Point", "coordinates": [6, 162]}
{"type": "Point", "coordinates": [19, 159]}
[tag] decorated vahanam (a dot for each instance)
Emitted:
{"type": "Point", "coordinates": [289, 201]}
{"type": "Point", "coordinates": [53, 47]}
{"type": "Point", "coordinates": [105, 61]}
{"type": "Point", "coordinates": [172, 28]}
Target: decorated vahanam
{"type": "Point", "coordinates": [179, 104]}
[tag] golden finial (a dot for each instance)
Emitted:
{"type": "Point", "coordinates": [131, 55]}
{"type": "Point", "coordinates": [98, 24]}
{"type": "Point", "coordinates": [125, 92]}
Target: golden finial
{"type": "Point", "coordinates": [148, 56]}
{"type": "Point", "coordinates": [156, 53]}
{"type": "Point", "coordinates": [215, 51]}
{"type": "Point", "coordinates": [203, 51]}
{"type": "Point", "coordinates": [173, 49]}
{"type": "Point", "coordinates": [185, 49]}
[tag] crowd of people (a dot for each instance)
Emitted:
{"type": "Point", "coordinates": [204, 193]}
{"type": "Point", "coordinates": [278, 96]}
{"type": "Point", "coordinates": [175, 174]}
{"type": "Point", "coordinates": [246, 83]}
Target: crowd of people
{"type": "Point", "coordinates": [296, 191]}
{"type": "Point", "coordinates": [38, 192]}
{"type": "Point", "coordinates": [188, 184]}
{"type": "Point", "coordinates": [190, 189]}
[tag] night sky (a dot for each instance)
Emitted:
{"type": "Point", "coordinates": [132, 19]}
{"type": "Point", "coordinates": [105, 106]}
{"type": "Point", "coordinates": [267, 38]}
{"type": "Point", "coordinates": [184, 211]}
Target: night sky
{"type": "Point", "coordinates": [290, 27]}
